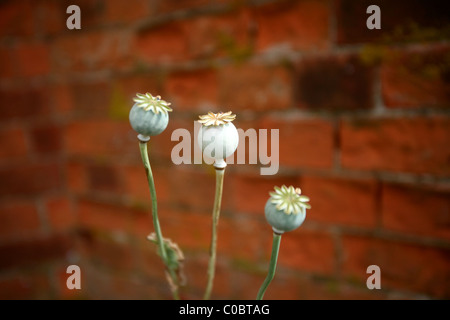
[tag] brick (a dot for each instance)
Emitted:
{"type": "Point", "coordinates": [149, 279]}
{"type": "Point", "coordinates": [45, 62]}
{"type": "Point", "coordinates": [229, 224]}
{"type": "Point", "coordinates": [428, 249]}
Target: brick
{"type": "Point", "coordinates": [63, 103]}
{"type": "Point", "coordinates": [7, 70]}
{"type": "Point", "coordinates": [416, 210]}
{"type": "Point", "coordinates": [161, 44]}
{"type": "Point", "coordinates": [25, 103]}
{"type": "Point", "coordinates": [190, 230]}
{"type": "Point", "coordinates": [100, 138]}
{"type": "Point", "coordinates": [34, 251]}
{"type": "Point", "coordinates": [307, 250]}
{"type": "Point", "coordinates": [18, 219]}
{"type": "Point", "coordinates": [13, 11]}
{"type": "Point", "coordinates": [29, 179]}
{"type": "Point", "coordinates": [416, 79]}
{"type": "Point", "coordinates": [135, 183]}
{"type": "Point", "coordinates": [33, 59]}
{"type": "Point", "coordinates": [410, 267]}
{"type": "Point", "coordinates": [13, 143]}
{"type": "Point", "coordinates": [131, 84]}
{"type": "Point", "coordinates": [200, 194]}
{"type": "Point", "coordinates": [237, 238]}
{"type": "Point", "coordinates": [117, 11]}
{"type": "Point", "coordinates": [46, 139]}
{"type": "Point", "coordinates": [26, 286]}
{"type": "Point", "coordinates": [303, 143]}
{"type": "Point", "coordinates": [197, 90]}
{"type": "Point", "coordinates": [60, 214]}
{"type": "Point", "coordinates": [105, 254]}
{"type": "Point", "coordinates": [92, 51]}
{"type": "Point", "coordinates": [106, 216]}
{"type": "Point", "coordinates": [266, 87]}
{"type": "Point", "coordinates": [103, 178]}
{"type": "Point", "coordinates": [196, 38]}
{"type": "Point", "coordinates": [340, 201]}
{"type": "Point", "coordinates": [334, 83]}
{"type": "Point", "coordinates": [301, 25]}
{"type": "Point", "coordinates": [77, 178]}
{"type": "Point", "coordinates": [401, 21]}
{"type": "Point", "coordinates": [176, 5]}
{"type": "Point", "coordinates": [406, 145]}
{"type": "Point", "coordinates": [251, 192]}
{"type": "Point", "coordinates": [91, 99]}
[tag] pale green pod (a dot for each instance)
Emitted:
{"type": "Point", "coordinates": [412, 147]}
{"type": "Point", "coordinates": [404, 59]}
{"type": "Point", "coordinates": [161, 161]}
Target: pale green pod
{"type": "Point", "coordinates": [286, 209]}
{"type": "Point", "coordinates": [281, 221]}
{"type": "Point", "coordinates": [148, 123]}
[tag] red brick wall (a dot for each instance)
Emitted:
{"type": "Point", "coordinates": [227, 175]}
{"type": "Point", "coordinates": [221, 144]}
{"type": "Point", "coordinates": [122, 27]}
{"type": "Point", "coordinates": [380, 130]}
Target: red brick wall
{"type": "Point", "coordinates": [364, 131]}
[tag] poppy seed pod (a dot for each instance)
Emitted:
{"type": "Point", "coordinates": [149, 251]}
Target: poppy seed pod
{"type": "Point", "coordinates": [218, 137]}
{"type": "Point", "coordinates": [149, 116]}
{"type": "Point", "coordinates": [286, 209]}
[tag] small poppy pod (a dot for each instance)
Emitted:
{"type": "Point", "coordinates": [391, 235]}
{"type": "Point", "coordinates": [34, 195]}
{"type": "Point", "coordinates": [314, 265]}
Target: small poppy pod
{"type": "Point", "coordinates": [286, 209]}
{"type": "Point", "coordinates": [149, 116]}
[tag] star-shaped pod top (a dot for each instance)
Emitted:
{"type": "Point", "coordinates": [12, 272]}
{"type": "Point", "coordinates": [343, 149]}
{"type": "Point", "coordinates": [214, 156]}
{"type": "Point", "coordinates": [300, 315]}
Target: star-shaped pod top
{"type": "Point", "coordinates": [153, 103]}
{"type": "Point", "coordinates": [216, 119]}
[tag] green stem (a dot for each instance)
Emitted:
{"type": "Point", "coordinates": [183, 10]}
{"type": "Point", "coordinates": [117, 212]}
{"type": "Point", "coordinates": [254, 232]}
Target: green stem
{"type": "Point", "coordinates": [151, 184]}
{"type": "Point", "coordinates": [272, 266]}
{"type": "Point", "coordinates": [216, 213]}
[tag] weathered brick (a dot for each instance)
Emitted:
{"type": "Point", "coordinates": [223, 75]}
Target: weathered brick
{"type": "Point", "coordinates": [34, 251]}
{"type": "Point", "coordinates": [7, 70]}
{"type": "Point", "coordinates": [176, 5]}
{"type": "Point", "coordinates": [24, 103]}
{"type": "Point", "coordinates": [13, 143]}
{"type": "Point", "coordinates": [25, 286]}
{"type": "Point", "coordinates": [334, 83]}
{"type": "Point", "coordinates": [118, 11]}
{"type": "Point", "coordinates": [91, 99]}
{"type": "Point", "coordinates": [105, 216]}
{"type": "Point", "coordinates": [29, 179]}
{"type": "Point", "coordinates": [307, 250]}
{"type": "Point", "coordinates": [100, 138]}
{"type": "Point", "coordinates": [405, 266]}
{"type": "Point", "coordinates": [196, 38]}
{"type": "Point", "coordinates": [400, 21]}
{"type": "Point", "coordinates": [46, 139]}
{"type": "Point", "coordinates": [298, 24]}
{"type": "Point", "coordinates": [33, 59]}
{"type": "Point", "coordinates": [416, 210]}
{"type": "Point", "coordinates": [60, 213]}
{"type": "Point", "coordinates": [303, 143]}
{"type": "Point", "coordinates": [77, 178]}
{"type": "Point", "coordinates": [403, 144]}
{"type": "Point", "coordinates": [91, 51]}
{"type": "Point", "coordinates": [187, 228]}
{"type": "Point", "coordinates": [161, 44]}
{"type": "Point", "coordinates": [135, 183]}
{"type": "Point", "coordinates": [266, 87]}
{"type": "Point", "coordinates": [17, 219]}
{"type": "Point", "coordinates": [417, 79]}
{"type": "Point", "coordinates": [340, 201]}
{"type": "Point", "coordinates": [103, 178]}
{"type": "Point", "coordinates": [16, 18]}
{"type": "Point", "coordinates": [194, 90]}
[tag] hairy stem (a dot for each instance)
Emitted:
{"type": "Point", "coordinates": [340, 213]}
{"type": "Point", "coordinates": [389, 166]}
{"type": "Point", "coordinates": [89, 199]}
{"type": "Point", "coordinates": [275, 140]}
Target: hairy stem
{"type": "Point", "coordinates": [159, 237]}
{"type": "Point", "coordinates": [272, 266]}
{"type": "Point", "coordinates": [216, 213]}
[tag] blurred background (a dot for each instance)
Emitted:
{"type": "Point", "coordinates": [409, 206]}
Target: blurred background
{"type": "Point", "coordinates": [364, 131]}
